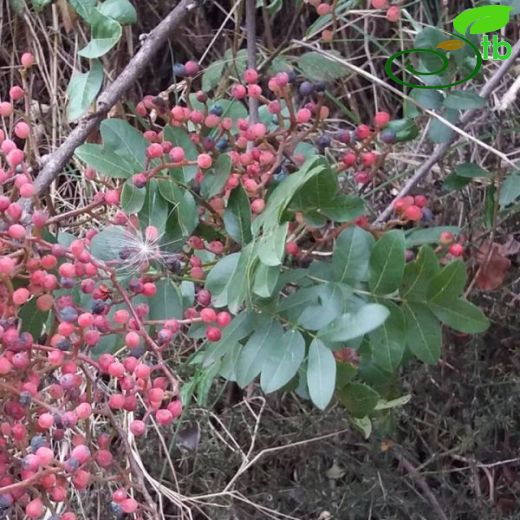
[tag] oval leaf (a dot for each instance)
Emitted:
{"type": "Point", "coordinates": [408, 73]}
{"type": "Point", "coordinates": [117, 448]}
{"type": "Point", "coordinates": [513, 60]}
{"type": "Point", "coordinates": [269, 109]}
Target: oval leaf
{"type": "Point", "coordinates": [321, 374]}
{"type": "Point", "coordinates": [484, 19]}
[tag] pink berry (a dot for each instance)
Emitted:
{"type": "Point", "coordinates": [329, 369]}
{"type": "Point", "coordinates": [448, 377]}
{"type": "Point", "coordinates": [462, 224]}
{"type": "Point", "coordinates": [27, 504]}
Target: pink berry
{"type": "Point", "coordinates": [132, 340]}
{"type": "Point", "coordinates": [381, 119]}
{"type": "Point", "coordinates": [238, 91]}
{"type": "Point", "coordinates": [45, 421]}
{"type": "Point", "coordinates": [257, 206]}
{"type": "Point", "coordinates": [323, 9]}
{"type": "Point", "coordinates": [204, 161]}
{"type": "Point", "coordinates": [362, 132]}
{"type": "Point", "coordinates": [177, 154]}
{"type": "Point", "coordinates": [420, 200]}
{"type": "Point", "coordinates": [446, 238]}
{"type": "Point", "coordinates": [250, 76]}
{"type": "Point", "coordinates": [154, 151]}
{"type": "Point", "coordinates": [27, 60]}
{"type": "Point", "coordinates": [27, 190]}
{"type": "Point", "coordinates": [208, 315]}
{"type": "Point", "coordinates": [379, 4]}
{"type": "Point", "coordinates": [6, 109]}
{"type": "Point", "coordinates": [34, 509]}
{"type": "Point", "coordinates": [223, 318]}
{"type": "Point", "coordinates": [393, 14]}
{"type": "Point", "coordinates": [16, 93]}
{"type": "Point", "coordinates": [22, 130]}
{"type": "Point", "coordinates": [192, 68]}
{"type": "Point", "coordinates": [20, 296]}
{"type": "Point", "coordinates": [138, 428]}
{"type": "Point", "coordinates": [164, 417]}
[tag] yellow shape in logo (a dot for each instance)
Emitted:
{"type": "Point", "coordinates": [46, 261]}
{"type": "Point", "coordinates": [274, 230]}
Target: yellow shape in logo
{"type": "Point", "coordinates": [451, 45]}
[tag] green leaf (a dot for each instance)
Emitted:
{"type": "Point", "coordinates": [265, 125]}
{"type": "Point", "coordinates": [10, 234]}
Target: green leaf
{"type": "Point", "coordinates": [387, 263]}
{"type": "Point", "coordinates": [315, 66]}
{"type": "Point", "coordinates": [449, 283]}
{"type": "Point", "coordinates": [453, 182]}
{"type": "Point", "coordinates": [481, 20]}
{"type": "Point", "coordinates": [237, 217]}
{"type": "Point", "coordinates": [404, 129]}
{"type": "Point", "coordinates": [424, 336]}
{"type": "Point", "coordinates": [105, 162]}
{"type": "Point", "coordinates": [388, 341]}
{"type": "Point", "coordinates": [132, 198]}
{"type": "Point", "coordinates": [271, 247]}
{"type": "Point", "coordinates": [330, 305]}
{"type": "Point", "coordinates": [317, 191]}
{"type": "Point", "coordinates": [343, 208]}
{"type": "Point", "coordinates": [460, 315]}
{"type": "Point", "coordinates": [354, 325]}
{"type": "Point", "coordinates": [17, 6]}
{"type": "Point", "coordinates": [83, 89]}
{"type": "Point", "coordinates": [427, 98]}
{"type": "Point", "coordinates": [106, 32]}
{"type": "Point", "coordinates": [120, 10]}
{"type": "Point", "coordinates": [253, 353]}
{"type": "Point", "coordinates": [228, 366]}
{"type": "Point", "coordinates": [212, 75]}
{"type": "Point", "coordinates": [241, 280]}
{"type": "Point", "coordinates": [32, 319]}
{"type": "Point", "coordinates": [363, 425]}
{"type": "Point", "coordinates": [185, 216]}
{"type": "Point", "coordinates": [108, 242]}
{"type": "Point", "coordinates": [510, 190]}
{"type": "Point", "coordinates": [464, 100]}
{"type": "Point", "coordinates": [350, 261]}
{"type": "Point", "coordinates": [84, 8]}
{"type": "Point", "coordinates": [383, 404]}
{"type": "Point", "coordinates": [216, 178]}
{"type": "Point", "coordinates": [321, 374]}
{"type": "Point", "coordinates": [419, 237]}
{"type": "Point", "coordinates": [359, 399]}
{"type": "Point", "coordinates": [179, 137]}
{"type": "Point", "coordinates": [266, 278]}
{"type": "Point", "coordinates": [471, 170]}
{"type": "Point", "coordinates": [281, 361]}
{"type": "Point", "coordinates": [167, 303]}
{"type": "Point", "coordinates": [441, 133]}
{"type": "Point", "coordinates": [418, 274]}
{"type": "Point", "coordinates": [123, 139]}
{"type": "Point", "coordinates": [217, 281]}
{"type": "Point", "coordinates": [155, 210]}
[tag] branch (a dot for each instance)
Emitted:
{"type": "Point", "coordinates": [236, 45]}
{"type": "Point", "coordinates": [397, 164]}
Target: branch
{"type": "Point", "coordinates": [441, 149]}
{"type": "Point", "coordinates": [251, 52]}
{"type": "Point", "coordinates": [112, 94]}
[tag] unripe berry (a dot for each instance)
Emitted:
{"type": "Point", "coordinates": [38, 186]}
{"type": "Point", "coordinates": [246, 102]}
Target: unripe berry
{"type": "Point", "coordinates": [456, 250]}
{"type": "Point", "coordinates": [164, 417]}
{"type": "Point", "coordinates": [116, 369]}
{"type": "Point", "coordinates": [83, 411]}
{"type": "Point", "coordinates": [27, 60]}
{"type": "Point", "coordinates": [204, 161]}
{"type": "Point", "coordinates": [20, 296]}
{"type": "Point", "coordinates": [379, 4]}
{"type": "Point", "coordinates": [250, 76]}
{"type": "Point", "coordinates": [132, 340]}
{"type": "Point", "coordinates": [323, 9]}
{"type": "Point", "coordinates": [420, 200]}
{"type": "Point", "coordinates": [138, 428]}
{"type": "Point", "coordinates": [257, 206]}
{"type": "Point", "coordinates": [208, 315]}
{"type": "Point", "coordinates": [223, 319]}
{"type": "Point", "coordinates": [45, 421]}
{"type": "Point", "coordinates": [46, 455]}
{"type": "Point", "coordinates": [175, 408]}
{"type": "Point", "coordinates": [16, 93]}
{"type": "Point", "coordinates": [362, 132]}
{"type": "Point", "coordinates": [22, 130]}
{"type": "Point", "coordinates": [303, 115]}
{"type": "Point", "coordinates": [381, 119]}
{"type": "Point", "coordinates": [177, 154]}
{"type": "Point", "coordinates": [292, 248]}
{"type": "Point", "coordinates": [393, 14]}
{"type": "Point", "coordinates": [154, 151]}
{"type": "Point", "coordinates": [446, 238]}
{"type": "Point", "coordinates": [34, 508]}
{"type": "Point", "coordinates": [6, 109]}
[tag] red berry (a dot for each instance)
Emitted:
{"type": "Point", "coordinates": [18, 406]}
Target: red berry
{"type": "Point", "coordinates": [204, 161]}
{"type": "Point", "coordinates": [381, 119]}
{"type": "Point", "coordinates": [223, 319]}
{"type": "Point", "coordinates": [413, 213]}
{"type": "Point", "coordinates": [420, 200]}
{"type": "Point", "coordinates": [250, 76]}
{"type": "Point", "coordinates": [208, 315]}
{"type": "Point", "coordinates": [323, 9]}
{"type": "Point", "coordinates": [34, 508]}
{"type": "Point", "coordinates": [213, 334]}
{"type": "Point", "coordinates": [456, 250]}
{"type": "Point", "coordinates": [379, 4]}
{"type": "Point", "coordinates": [292, 248]}
{"type": "Point", "coordinates": [362, 132]}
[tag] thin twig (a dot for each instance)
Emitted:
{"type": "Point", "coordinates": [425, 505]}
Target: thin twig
{"type": "Point", "coordinates": [251, 53]}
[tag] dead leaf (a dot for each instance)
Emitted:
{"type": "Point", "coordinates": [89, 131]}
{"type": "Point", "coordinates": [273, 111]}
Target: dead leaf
{"type": "Point", "coordinates": [68, 16]}
{"type": "Point", "coordinates": [493, 266]}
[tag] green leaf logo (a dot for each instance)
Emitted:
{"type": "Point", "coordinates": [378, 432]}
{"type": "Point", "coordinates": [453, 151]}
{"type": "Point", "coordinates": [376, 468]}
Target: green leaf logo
{"type": "Point", "coordinates": [480, 20]}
